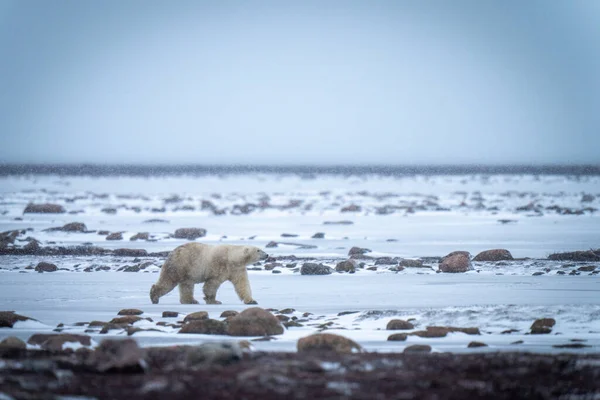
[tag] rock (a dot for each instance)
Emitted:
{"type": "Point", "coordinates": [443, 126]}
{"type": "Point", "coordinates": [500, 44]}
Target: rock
{"type": "Point", "coordinates": [12, 343]}
{"type": "Point", "coordinates": [407, 263]}
{"type": "Point", "coordinates": [338, 222]}
{"type": "Point", "coordinates": [315, 269]}
{"type": "Point", "coordinates": [494, 255]}
{"type": "Point", "coordinates": [542, 326]}
{"type": "Point", "coordinates": [55, 342]}
{"type": "Point", "coordinates": [170, 314]}
{"type": "Point", "coordinates": [457, 261]}
{"type": "Point", "coordinates": [346, 266]}
{"type": "Point", "coordinates": [318, 235]}
{"type": "Point", "coordinates": [122, 355]}
{"type": "Point", "coordinates": [351, 208]}
{"type": "Point", "coordinates": [221, 353]}
{"type": "Point", "coordinates": [386, 261]}
{"type": "Point", "coordinates": [571, 346]}
{"type": "Point", "coordinates": [140, 236]}
{"type": "Point", "coordinates": [289, 235]}
{"type": "Point", "coordinates": [155, 221]}
{"type": "Point", "coordinates": [271, 266]}
{"type": "Point", "coordinates": [110, 326]}
{"type": "Point", "coordinates": [254, 321]}
{"type": "Point", "coordinates": [115, 236]}
{"type": "Point", "coordinates": [45, 208]}
{"type": "Point", "coordinates": [399, 324]}
{"type": "Point", "coordinates": [189, 233]}
{"type": "Point", "coordinates": [33, 247]}
{"type": "Point", "coordinates": [109, 210]}
{"type": "Point", "coordinates": [130, 311]}
{"type": "Point", "coordinates": [71, 227]}
{"type": "Point", "coordinates": [442, 331]}
{"type": "Point", "coordinates": [587, 268]}
{"type": "Point", "coordinates": [9, 237]}
{"type": "Point", "coordinates": [125, 320]}
{"type": "Point", "coordinates": [587, 198]}
{"type": "Point", "coordinates": [287, 311]}
{"type": "Point", "coordinates": [130, 252]}
{"type": "Point", "coordinates": [589, 255]}
{"type": "Point", "coordinates": [358, 251]}
{"type": "Point", "coordinates": [418, 348]}
{"type": "Point", "coordinates": [271, 244]}
{"type": "Point", "coordinates": [474, 344]}
{"type": "Point", "coordinates": [328, 342]}
{"type": "Point", "coordinates": [229, 313]}
{"type": "Point", "coordinates": [46, 267]}
{"type": "Point", "coordinates": [397, 337]}
{"type": "Point", "coordinates": [103, 233]}
{"type": "Point", "coordinates": [196, 316]}
{"type": "Point", "coordinates": [204, 326]}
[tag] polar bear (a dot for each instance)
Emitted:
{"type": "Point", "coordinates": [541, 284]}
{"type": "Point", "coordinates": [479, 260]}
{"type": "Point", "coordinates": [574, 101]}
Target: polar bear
{"type": "Point", "coordinates": [193, 263]}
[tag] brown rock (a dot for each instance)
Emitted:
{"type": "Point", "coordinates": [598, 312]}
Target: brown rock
{"type": "Point", "coordinates": [130, 252]}
{"type": "Point", "coordinates": [71, 227]}
{"type": "Point", "coordinates": [170, 314]}
{"type": "Point", "coordinates": [588, 255]}
{"type": "Point", "coordinates": [55, 342]}
{"type": "Point", "coordinates": [45, 208]}
{"type": "Point", "coordinates": [407, 263]}
{"type": "Point", "coordinates": [130, 311]}
{"type": "Point", "coordinates": [328, 342]}
{"type": "Point", "coordinates": [46, 267]}
{"type": "Point", "coordinates": [542, 326]}
{"type": "Point", "coordinates": [397, 337]}
{"type": "Point", "coordinates": [351, 208]}
{"type": "Point", "coordinates": [442, 331]}
{"type": "Point", "coordinates": [315, 269]}
{"type": "Point", "coordinates": [346, 266]}
{"type": "Point", "coordinates": [476, 344]}
{"type": "Point", "coordinates": [115, 236]}
{"type": "Point", "coordinates": [140, 236]}
{"type": "Point", "coordinates": [204, 326]}
{"type": "Point", "coordinates": [189, 233]}
{"type": "Point", "coordinates": [418, 348]}
{"type": "Point", "coordinates": [494, 255]}
{"type": "Point", "coordinates": [196, 316]}
{"type": "Point", "coordinates": [399, 324]}
{"type": "Point", "coordinates": [254, 321]}
{"type": "Point", "coordinates": [358, 251]}
{"type": "Point", "coordinates": [229, 313]}
{"type": "Point", "coordinates": [12, 342]}
{"type": "Point", "coordinates": [457, 261]}
{"type": "Point", "coordinates": [127, 319]}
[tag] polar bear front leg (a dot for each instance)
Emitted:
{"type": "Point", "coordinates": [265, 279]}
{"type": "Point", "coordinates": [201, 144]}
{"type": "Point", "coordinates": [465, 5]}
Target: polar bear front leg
{"type": "Point", "coordinates": [186, 293]}
{"type": "Point", "coordinates": [242, 287]}
{"type": "Point", "coordinates": [210, 291]}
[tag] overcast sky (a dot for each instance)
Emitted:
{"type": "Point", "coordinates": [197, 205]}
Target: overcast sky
{"type": "Point", "coordinates": [297, 82]}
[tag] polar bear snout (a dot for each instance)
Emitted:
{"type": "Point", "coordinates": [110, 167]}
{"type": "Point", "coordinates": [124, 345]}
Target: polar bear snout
{"type": "Point", "coordinates": [263, 255]}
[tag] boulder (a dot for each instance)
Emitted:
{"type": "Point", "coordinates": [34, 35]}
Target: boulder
{"type": "Point", "coordinates": [229, 313]}
{"type": "Point", "coordinates": [254, 321]}
{"type": "Point", "coordinates": [588, 255]}
{"type": "Point", "coordinates": [211, 353]}
{"type": "Point", "coordinates": [398, 325]}
{"type": "Point", "coordinates": [71, 227]}
{"type": "Point", "coordinates": [358, 251]}
{"type": "Point", "coordinates": [46, 267]}
{"type": "Point", "coordinates": [328, 342]}
{"type": "Point", "coordinates": [494, 255]}
{"type": "Point", "coordinates": [397, 337]}
{"type": "Point", "coordinates": [542, 326]}
{"type": "Point", "coordinates": [318, 235]}
{"type": "Point", "coordinates": [170, 314]}
{"type": "Point", "coordinates": [474, 344]}
{"type": "Point", "coordinates": [55, 342]}
{"type": "Point", "coordinates": [351, 208]}
{"type": "Point", "coordinates": [196, 316]}
{"type": "Point", "coordinates": [205, 326]}
{"type": "Point", "coordinates": [122, 355]}
{"type": "Point", "coordinates": [407, 263]}
{"type": "Point", "coordinates": [115, 236]}
{"type": "Point", "coordinates": [11, 343]}
{"type": "Point", "coordinates": [315, 269]}
{"type": "Point", "coordinates": [130, 252]}
{"type": "Point", "coordinates": [418, 348]}
{"type": "Point", "coordinates": [189, 233]}
{"type": "Point", "coordinates": [346, 266]}
{"type": "Point", "coordinates": [130, 311]}
{"type": "Point", "coordinates": [442, 331]}
{"type": "Point", "coordinates": [457, 261]}
{"type": "Point", "coordinates": [140, 236]}
{"type": "Point", "coordinates": [126, 320]}
{"type": "Point", "coordinates": [45, 208]}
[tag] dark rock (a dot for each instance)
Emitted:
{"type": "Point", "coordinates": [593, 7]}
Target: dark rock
{"type": "Point", "coordinates": [287, 311]}
{"type": "Point", "coordinates": [140, 236]}
{"type": "Point", "coordinates": [338, 223]}
{"type": "Point", "coordinates": [55, 342]}
{"type": "Point", "coordinates": [476, 344]}
{"type": "Point", "coordinates": [109, 210]}
{"type": "Point", "coordinates": [318, 235]}
{"type": "Point", "coordinates": [189, 233]}
{"type": "Point", "coordinates": [589, 255]}
{"type": "Point", "coordinates": [328, 342]}
{"type": "Point", "coordinates": [289, 235]}
{"type": "Point", "coordinates": [542, 326]}
{"type": "Point", "coordinates": [399, 324]}
{"type": "Point", "coordinates": [292, 324]}
{"type": "Point", "coordinates": [12, 343]}
{"type": "Point", "coordinates": [46, 267]}
{"type": "Point", "coordinates": [442, 331]}
{"type": "Point", "coordinates": [457, 261]}
{"type": "Point", "coordinates": [115, 236]}
{"type": "Point", "coordinates": [33, 247]}
{"type": "Point", "coordinates": [351, 208]}
{"type": "Point", "coordinates": [156, 221]}
{"type": "Point", "coordinates": [117, 356]}
{"type": "Point", "coordinates": [46, 208]}
{"type": "Point", "coordinates": [315, 269]}
{"type": "Point", "coordinates": [537, 273]}
{"type": "Point", "coordinates": [418, 348]}
{"type": "Point", "coordinates": [494, 255]}
{"type": "Point", "coordinates": [587, 198]}
{"type": "Point", "coordinates": [9, 237]}
{"type": "Point", "coordinates": [103, 233]}
{"type": "Point", "coordinates": [196, 316]}
{"type": "Point", "coordinates": [386, 261]}
{"type": "Point", "coordinates": [130, 252]}
{"type": "Point", "coordinates": [214, 353]}
{"type": "Point", "coordinates": [110, 327]}
{"type": "Point", "coordinates": [271, 266]}
{"type": "Point", "coordinates": [130, 311]}
{"type": "Point", "coordinates": [254, 321]}
{"type": "Point", "coordinates": [587, 268]}
{"type": "Point", "coordinates": [571, 346]}
{"type": "Point", "coordinates": [204, 326]}
{"type": "Point", "coordinates": [507, 221]}
{"type": "Point", "coordinates": [271, 244]}
{"type": "Point", "coordinates": [229, 313]}
{"type": "Point", "coordinates": [397, 337]}
{"type": "Point", "coordinates": [282, 318]}
{"type": "Point", "coordinates": [127, 319]}
{"type": "Point", "coordinates": [358, 251]}
{"type": "Point", "coordinates": [71, 227]}
{"type": "Point", "coordinates": [346, 266]}
{"type": "Point", "coordinates": [407, 263]}
{"type": "Point", "coordinates": [170, 314]}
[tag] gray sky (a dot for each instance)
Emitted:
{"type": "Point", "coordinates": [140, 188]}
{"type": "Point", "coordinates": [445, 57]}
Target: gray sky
{"type": "Point", "coordinates": [328, 82]}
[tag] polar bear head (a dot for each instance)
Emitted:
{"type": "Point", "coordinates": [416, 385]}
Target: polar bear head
{"type": "Point", "coordinates": [254, 254]}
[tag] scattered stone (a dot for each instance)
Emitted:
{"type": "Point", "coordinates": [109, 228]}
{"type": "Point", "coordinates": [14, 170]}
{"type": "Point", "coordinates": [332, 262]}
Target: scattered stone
{"type": "Point", "coordinates": [12, 343]}
{"type": "Point", "coordinates": [542, 326]}
{"type": "Point", "coordinates": [271, 266]}
{"type": "Point", "coordinates": [407, 263]}
{"type": "Point", "coordinates": [110, 327]}
{"type": "Point", "coordinates": [399, 324]}
{"type": "Point", "coordinates": [71, 227]}
{"type": "Point", "coordinates": [287, 311]}
{"type": "Point", "coordinates": [55, 342]}
{"type": "Point", "coordinates": [371, 268]}
{"type": "Point", "coordinates": [507, 221]}
{"type": "Point", "coordinates": [457, 261]}
{"type": "Point", "coordinates": [418, 348]}
{"type": "Point", "coordinates": [125, 320]}
{"type": "Point", "coordinates": [509, 331]}
{"type": "Point", "coordinates": [130, 311]}
{"type": "Point", "coordinates": [318, 235]}
{"type": "Point", "coordinates": [46, 208]}
{"type": "Point", "coordinates": [254, 321]}
{"type": "Point", "coordinates": [358, 251]}
{"type": "Point", "coordinates": [292, 324]}
{"type": "Point", "coordinates": [587, 198]}
{"type": "Point", "coordinates": [386, 261]}
{"type": "Point", "coordinates": [109, 210]}
{"type": "Point", "coordinates": [117, 356]}
{"type": "Point", "coordinates": [494, 255]}
{"type": "Point", "coordinates": [229, 313]}
{"type": "Point", "coordinates": [315, 269]}
{"type": "Point", "coordinates": [189, 233]}
{"type": "Point", "coordinates": [518, 342]}
{"type": "Point", "coordinates": [328, 342]}
{"type": "Point", "coordinates": [46, 267]}
{"type": "Point", "coordinates": [289, 235]}
{"type": "Point", "coordinates": [587, 268]}
{"type": "Point", "coordinates": [115, 236]}
{"type": "Point", "coordinates": [94, 324]}
{"type": "Point", "coordinates": [130, 252]}
{"type": "Point", "coordinates": [474, 344]}
{"type": "Point", "coordinates": [170, 314]}
{"type": "Point", "coordinates": [346, 266]}
{"type": "Point", "coordinates": [271, 244]}
{"type": "Point", "coordinates": [204, 326]}
{"type": "Point", "coordinates": [282, 318]}
{"type": "Point", "coordinates": [103, 233]}
{"type": "Point", "coordinates": [140, 236]}
{"type": "Point", "coordinates": [196, 316]}
{"type": "Point", "coordinates": [33, 247]}
{"type": "Point", "coordinates": [397, 337]}
{"type": "Point", "coordinates": [351, 208]}
{"type": "Point", "coordinates": [589, 255]}
{"type": "Point", "coordinates": [442, 331]}
{"type": "Point", "coordinates": [155, 221]}
{"type": "Point", "coordinates": [538, 273]}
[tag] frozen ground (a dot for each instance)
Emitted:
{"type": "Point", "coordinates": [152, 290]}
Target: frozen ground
{"type": "Point", "coordinates": [408, 217]}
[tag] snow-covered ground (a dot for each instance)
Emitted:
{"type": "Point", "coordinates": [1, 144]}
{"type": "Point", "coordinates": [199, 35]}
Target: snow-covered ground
{"type": "Point", "coordinates": [407, 217]}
